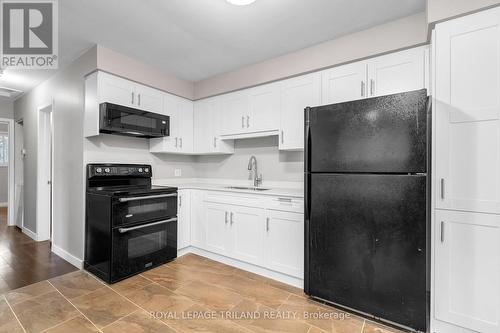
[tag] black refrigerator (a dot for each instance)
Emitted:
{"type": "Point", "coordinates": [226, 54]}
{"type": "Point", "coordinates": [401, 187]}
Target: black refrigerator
{"type": "Point", "coordinates": [367, 206]}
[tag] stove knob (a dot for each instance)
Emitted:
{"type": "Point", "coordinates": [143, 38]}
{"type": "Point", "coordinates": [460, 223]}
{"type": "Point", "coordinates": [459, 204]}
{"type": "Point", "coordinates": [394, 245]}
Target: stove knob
{"type": "Point", "coordinates": [98, 170]}
{"type": "Point", "coordinates": [140, 169]}
{"type": "Point", "coordinates": [107, 170]}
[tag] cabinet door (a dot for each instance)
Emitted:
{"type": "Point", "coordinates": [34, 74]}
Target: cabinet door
{"type": "Point", "coordinates": [285, 242]}
{"type": "Point", "coordinates": [396, 72]}
{"type": "Point", "coordinates": [234, 110]}
{"type": "Point", "coordinates": [467, 106]}
{"type": "Point", "coordinates": [148, 99]}
{"type": "Point", "coordinates": [467, 270]}
{"type": "Point", "coordinates": [217, 228]}
{"type": "Point", "coordinates": [296, 95]}
{"type": "Point", "coordinates": [113, 89]}
{"type": "Point", "coordinates": [344, 83]}
{"type": "Point", "coordinates": [185, 125]}
{"type": "Point", "coordinates": [264, 112]}
{"type": "Point", "coordinates": [184, 219]}
{"type": "Point", "coordinates": [198, 219]}
{"type": "Point", "coordinates": [204, 141]}
{"type": "Point", "coordinates": [247, 234]}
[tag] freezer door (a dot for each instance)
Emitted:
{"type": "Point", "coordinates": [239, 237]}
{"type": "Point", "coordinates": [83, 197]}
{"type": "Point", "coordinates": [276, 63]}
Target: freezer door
{"type": "Point", "coordinates": [367, 244]}
{"type": "Point", "coordinates": [385, 134]}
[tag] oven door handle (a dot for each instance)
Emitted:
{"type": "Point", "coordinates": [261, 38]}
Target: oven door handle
{"type": "Point", "coordinates": [148, 197]}
{"type": "Point", "coordinates": [124, 230]}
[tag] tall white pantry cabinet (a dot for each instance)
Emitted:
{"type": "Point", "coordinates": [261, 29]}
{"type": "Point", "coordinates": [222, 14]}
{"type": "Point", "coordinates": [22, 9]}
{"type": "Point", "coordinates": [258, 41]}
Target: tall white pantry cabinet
{"type": "Point", "coordinates": [466, 174]}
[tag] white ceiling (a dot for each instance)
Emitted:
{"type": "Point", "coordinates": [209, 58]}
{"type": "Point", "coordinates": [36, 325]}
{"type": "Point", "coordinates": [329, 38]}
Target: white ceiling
{"type": "Point", "coordinates": [196, 39]}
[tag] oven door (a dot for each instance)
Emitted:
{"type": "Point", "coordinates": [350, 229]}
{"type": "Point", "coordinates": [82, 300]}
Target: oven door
{"type": "Point", "coordinates": [141, 247]}
{"type": "Point", "coordinates": [133, 210]}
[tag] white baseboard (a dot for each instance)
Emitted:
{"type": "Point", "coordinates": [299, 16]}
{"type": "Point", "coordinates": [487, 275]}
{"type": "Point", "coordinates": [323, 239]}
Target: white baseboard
{"type": "Point", "coordinates": [78, 263]}
{"type": "Point", "coordinates": [30, 234]}
{"type": "Point", "coordinates": [291, 280]}
{"type": "Point", "coordinates": [4, 204]}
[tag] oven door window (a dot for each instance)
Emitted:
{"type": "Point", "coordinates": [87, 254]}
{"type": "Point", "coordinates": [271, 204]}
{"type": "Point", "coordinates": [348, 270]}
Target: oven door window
{"type": "Point", "coordinates": [139, 249]}
{"type": "Point", "coordinates": [132, 212]}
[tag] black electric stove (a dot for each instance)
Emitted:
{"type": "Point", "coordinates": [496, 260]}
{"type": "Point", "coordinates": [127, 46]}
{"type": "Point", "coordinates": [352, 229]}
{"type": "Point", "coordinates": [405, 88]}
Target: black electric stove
{"type": "Point", "coordinates": [131, 225]}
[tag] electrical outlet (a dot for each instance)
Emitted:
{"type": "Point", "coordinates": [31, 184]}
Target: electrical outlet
{"type": "Point", "coordinates": [177, 172]}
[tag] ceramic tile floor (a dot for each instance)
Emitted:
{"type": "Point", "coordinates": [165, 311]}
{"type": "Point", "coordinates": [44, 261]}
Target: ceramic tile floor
{"type": "Point", "coordinates": [190, 294]}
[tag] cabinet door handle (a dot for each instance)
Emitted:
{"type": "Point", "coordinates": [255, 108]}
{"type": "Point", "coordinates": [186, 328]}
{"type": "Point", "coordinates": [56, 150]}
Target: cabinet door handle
{"type": "Point", "coordinates": [180, 142]}
{"type": "Point", "coordinates": [231, 218]}
{"type": "Point", "coordinates": [176, 140]}
{"type": "Point", "coordinates": [372, 87]}
{"type": "Point", "coordinates": [132, 97]}
{"type": "Point", "coordinates": [225, 217]}
{"type": "Point", "coordinates": [442, 188]}
{"type": "Point", "coordinates": [180, 201]}
{"type": "Point", "coordinates": [267, 224]}
{"type": "Point", "coordinates": [362, 88]}
{"type": "Point", "coordinates": [215, 142]}
{"type": "Point", "coordinates": [282, 137]}
{"type": "Point", "coordinates": [139, 99]}
{"type": "Point", "coordinates": [442, 231]}
{"type": "Point", "coordinates": [248, 121]}
{"type": "Point", "coordinates": [242, 122]}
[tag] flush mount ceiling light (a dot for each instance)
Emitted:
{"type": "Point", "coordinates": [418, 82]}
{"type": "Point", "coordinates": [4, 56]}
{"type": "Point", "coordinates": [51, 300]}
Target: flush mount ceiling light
{"type": "Point", "coordinates": [240, 2]}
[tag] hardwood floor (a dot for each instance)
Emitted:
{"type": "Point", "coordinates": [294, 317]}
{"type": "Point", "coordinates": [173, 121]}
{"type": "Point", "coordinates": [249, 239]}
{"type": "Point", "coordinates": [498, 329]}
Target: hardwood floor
{"type": "Point", "coordinates": [190, 294]}
{"type": "Point", "coordinates": [24, 261]}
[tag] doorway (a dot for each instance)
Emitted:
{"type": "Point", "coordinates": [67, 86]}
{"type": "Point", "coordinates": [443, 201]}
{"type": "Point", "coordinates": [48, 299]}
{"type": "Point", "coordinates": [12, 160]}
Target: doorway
{"type": "Point", "coordinates": [6, 171]}
{"type": "Point", "coordinates": [44, 173]}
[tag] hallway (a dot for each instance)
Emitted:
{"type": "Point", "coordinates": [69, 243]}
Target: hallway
{"type": "Point", "coordinates": [24, 261]}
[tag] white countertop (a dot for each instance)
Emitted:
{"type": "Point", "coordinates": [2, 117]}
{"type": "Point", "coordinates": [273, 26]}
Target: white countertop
{"type": "Point", "coordinates": [286, 189]}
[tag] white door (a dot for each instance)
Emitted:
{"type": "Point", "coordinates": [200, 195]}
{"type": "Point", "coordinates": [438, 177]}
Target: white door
{"type": "Point", "coordinates": [467, 270]}
{"type": "Point", "coordinates": [184, 219]}
{"type": "Point", "coordinates": [296, 95]}
{"type": "Point", "coordinates": [198, 219]}
{"type": "Point", "coordinates": [234, 111]}
{"type": "Point", "coordinates": [185, 117]}
{"type": "Point", "coordinates": [19, 173]}
{"type": "Point", "coordinates": [264, 113]}
{"type": "Point", "coordinates": [344, 83]}
{"type": "Point", "coordinates": [44, 174]}
{"type": "Point", "coordinates": [247, 234]}
{"type": "Point", "coordinates": [285, 242]}
{"type": "Point", "coordinates": [396, 72]}
{"type": "Point", "coordinates": [467, 110]}
{"type": "Point", "coordinates": [217, 225]}
{"type": "Point", "coordinates": [113, 89]}
{"type": "Point", "coordinates": [148, 99]}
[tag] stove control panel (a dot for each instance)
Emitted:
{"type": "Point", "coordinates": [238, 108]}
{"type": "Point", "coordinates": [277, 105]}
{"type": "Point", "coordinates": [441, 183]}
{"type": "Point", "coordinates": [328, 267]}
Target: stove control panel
{"type": "Point", "coordinates": [119, 170]}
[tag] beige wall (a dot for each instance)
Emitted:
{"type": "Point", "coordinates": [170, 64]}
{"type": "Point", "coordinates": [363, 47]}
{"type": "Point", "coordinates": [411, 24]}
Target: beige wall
{"type": "Point", "coordinates": [440, 10]}
{"type": "Point", "coordinates": [399, 34]}
{"type": "Point", "coordinates": [121, 65]}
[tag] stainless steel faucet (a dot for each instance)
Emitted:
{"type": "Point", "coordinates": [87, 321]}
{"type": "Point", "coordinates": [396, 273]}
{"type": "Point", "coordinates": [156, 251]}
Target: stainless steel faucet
{"type": "Point", "coordinates": [252, 165]}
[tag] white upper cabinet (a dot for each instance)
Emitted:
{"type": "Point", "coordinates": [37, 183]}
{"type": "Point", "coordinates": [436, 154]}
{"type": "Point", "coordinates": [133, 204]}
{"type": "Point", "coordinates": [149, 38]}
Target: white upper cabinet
{"type": "Point", "coordinates": [180, 140]}
{"type": "Point", "coordinates": [467, 271]}
{"type": "Point", "coordinates": [207, 120]}
{"type": "Point", "coordinates": [396, 72]}
{"type": "Point", "coordinates": [264, 110]}
{"type": "Point", "coordinates": [344, 83]}
{"type": "Point", "coordinates": [234, 108]}
{"type": "Point", "coordinates": [113, 89]}
{"type": "Point", "coordinates": [148, 99]}
{"type": "Point", "coordinates": [467, 106]}
{"type": "Point", "coordinates": [297, 94]}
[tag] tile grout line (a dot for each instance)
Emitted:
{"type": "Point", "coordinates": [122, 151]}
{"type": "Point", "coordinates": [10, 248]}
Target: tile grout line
{"type": "Point", "coordinates": [363, 327]}
{"type": "Point", "coordinates": [140, 307]}
{"type": "Point", "coordinates": [51, 327]}
{"type": "Point", "coordinates": [12, 310]}
{"type": "Point", "coordinates": [75, 307]}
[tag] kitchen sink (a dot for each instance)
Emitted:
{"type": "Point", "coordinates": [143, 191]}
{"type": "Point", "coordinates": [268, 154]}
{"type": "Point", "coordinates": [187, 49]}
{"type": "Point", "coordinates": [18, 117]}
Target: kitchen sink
{"type": "Point", "coordinates": [247, 188]}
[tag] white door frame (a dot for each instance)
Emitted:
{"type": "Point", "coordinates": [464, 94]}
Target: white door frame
{"type": "Point", "coordinates": [43, 226]}
{"type": "Point", "coordinates": [10, 174]}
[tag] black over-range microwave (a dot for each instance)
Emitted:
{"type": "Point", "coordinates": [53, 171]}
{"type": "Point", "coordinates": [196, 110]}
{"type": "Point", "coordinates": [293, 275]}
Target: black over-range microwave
{"type": "Point", "coordinates": [123, 120]}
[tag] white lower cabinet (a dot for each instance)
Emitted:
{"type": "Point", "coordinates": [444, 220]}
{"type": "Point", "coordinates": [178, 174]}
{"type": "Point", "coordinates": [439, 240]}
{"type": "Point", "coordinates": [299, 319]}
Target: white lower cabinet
{"type": "Point", "coordinates": [285, 242]}
{"type": "Point", "coordinates": [467, 271]}
{"type": "Point", "coordinates": [217, 228]}
{"type": "Point", "coordinates": [247, 234]}
{"type": "Point", "coordinates": [183, 219]}
{"type": "Point", "coordinates": [198, 218]}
